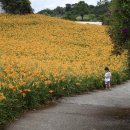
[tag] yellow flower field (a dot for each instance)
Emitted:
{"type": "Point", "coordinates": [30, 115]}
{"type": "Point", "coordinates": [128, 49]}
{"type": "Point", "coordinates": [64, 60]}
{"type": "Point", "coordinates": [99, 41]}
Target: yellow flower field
{"type": "Point", "coordinates": [54, 45]}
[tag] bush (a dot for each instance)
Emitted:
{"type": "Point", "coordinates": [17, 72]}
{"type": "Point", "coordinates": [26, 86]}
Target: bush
{"type": "Point", "coordinates": [9, 110]}
{"type": "Point", "coordinates": [17, 6]}
{"type": "Point", "coordinates": [120, 25]}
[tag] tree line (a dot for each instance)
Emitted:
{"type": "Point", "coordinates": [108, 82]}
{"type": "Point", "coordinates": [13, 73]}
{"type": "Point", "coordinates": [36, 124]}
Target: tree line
{"type": "Point", "coordinates": [78, 11]}
{"type": "Point", "coordinates": [82, 11]}
{"type": "Point", "coordinates": [17, 6]}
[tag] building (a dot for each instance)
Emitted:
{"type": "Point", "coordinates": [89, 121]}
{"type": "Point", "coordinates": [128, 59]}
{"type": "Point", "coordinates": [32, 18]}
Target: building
{"type": "Point", "coordinates": [96, 23]}
{"type": "Point", "coordinates": [1, 10]}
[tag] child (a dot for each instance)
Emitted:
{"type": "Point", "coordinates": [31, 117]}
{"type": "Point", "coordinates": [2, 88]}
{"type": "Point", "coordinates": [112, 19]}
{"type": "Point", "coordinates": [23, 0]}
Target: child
{"type": "Point", "coordinates": [107, 77]}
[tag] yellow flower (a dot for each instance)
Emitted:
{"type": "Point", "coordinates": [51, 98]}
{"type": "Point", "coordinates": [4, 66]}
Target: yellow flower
{"type": "Point", "coordinates": [22, 83]}
{"type": "Point", "coordinates": [26, 90]}
{"type": "Point", "coordinates": [21, 91]}
{"type": "Point", "coordinates": [77, 50]}
{"type": "Point", "coordinates": [62, 78]}
{"type": "Point", "coordinates": [2, 97]}
{"type": "Point", "coordinates": [11, 86]}
{"type": "Point", "coordinates": [51, 91]}
{"type": "Point", "coordinates": [48, 82]}
{"type": "Point", "coordinates": [24, 94]}
{"type": "Point", "coordinates": [77, 84]}
{"type": "Point", "coordinates": [63, 88]}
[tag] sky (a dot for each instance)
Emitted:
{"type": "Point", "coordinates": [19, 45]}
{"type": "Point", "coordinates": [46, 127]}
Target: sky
{"type": "Point", "coordinates": [38, 5]}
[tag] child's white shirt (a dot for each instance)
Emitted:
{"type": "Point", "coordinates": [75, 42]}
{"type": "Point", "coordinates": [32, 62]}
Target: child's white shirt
{"type": "Point", "coordinates": [107, 76]}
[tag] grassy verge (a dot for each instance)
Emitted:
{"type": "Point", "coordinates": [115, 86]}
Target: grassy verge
{"type": "Point", "coordinates": [32, 95]}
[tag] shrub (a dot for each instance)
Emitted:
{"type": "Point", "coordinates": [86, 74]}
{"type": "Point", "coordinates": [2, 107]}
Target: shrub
{"type": "Point", "coordinates": [120, 25]}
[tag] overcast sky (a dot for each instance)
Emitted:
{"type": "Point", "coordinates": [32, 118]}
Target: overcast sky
{"type": "Point", "coordinates": [43, 4]}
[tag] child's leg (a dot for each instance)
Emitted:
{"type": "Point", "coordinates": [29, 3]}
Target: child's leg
{"type": "Point", "coordinates": [106, 85]}
{"type": "Point", "coordinates": [109, 85]}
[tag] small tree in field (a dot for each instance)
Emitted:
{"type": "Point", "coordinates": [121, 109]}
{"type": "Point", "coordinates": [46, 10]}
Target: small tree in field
{"type": "Point", "coordinates": [81, 9]}
{"type": "Point", "coordinates": [120, 26]}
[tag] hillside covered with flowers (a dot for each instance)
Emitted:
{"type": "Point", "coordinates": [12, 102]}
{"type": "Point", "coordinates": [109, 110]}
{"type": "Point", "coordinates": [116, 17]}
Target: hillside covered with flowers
{"type": "Point", "coordinates": [43, 57]}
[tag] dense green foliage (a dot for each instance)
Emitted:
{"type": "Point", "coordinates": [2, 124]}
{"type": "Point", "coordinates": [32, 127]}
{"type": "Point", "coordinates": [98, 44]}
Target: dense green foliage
{"type": "Point", "coordinates": [17, 6]}
{"type": "Point", "coordinates": [120, 26]}
{"type": "Point", "coordinates": [11, 108]}
{"type": "Point", "coordinates": [102, 12]}
{"type": "Point", "coordinates": [120, 23]}
{"type": "Point", "coordinates": [82, 11]}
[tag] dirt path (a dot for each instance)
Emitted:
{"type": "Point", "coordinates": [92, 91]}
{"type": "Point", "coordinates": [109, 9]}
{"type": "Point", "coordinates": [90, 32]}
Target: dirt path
{"type": "Point", "coordinates": [101, 110]}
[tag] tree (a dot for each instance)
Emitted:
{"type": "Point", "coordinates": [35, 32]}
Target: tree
{"type": "Point", "coordinates": [69, 15]}
{"type": "Point", "coordinates": [102, 12]}
{"type": "Point", "coordinates": [102, 2]}
{"type": "Point", "coordinates": [68, 7]}
{"type": "Point", "coordinates": [47, 12]}
{"type": "Point", "coordinates": [25, 7]}
{"type": "Point", "coordinates": [81, 9]}
{"type": "Point", "coordinates": [17, 6]}
{"type": "Point", "coordinates": [120, 26]}
{"type": "Point", "coordinates": [90, 17]}
{"type": "Point", "coordinates": [91, 9]}
{"type": "Point", "coordinates": [59, 11]}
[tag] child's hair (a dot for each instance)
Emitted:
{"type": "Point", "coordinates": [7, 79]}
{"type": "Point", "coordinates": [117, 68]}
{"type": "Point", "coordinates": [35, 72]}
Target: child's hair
{"type": "Point", "coordinates": [106, 68]}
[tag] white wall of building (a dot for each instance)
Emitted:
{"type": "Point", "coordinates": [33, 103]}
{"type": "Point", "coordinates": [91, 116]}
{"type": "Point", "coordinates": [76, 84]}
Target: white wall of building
{"type": "Point", "coordinates": [96, 23]}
